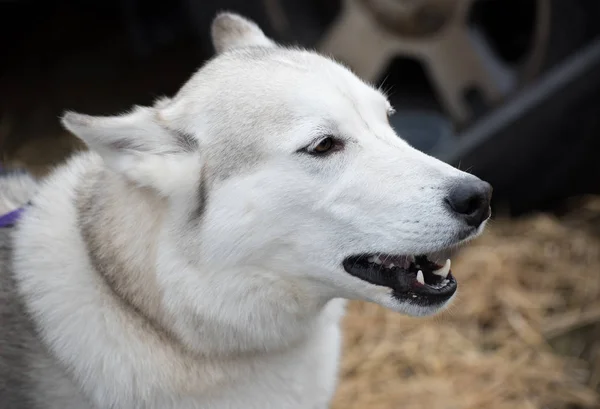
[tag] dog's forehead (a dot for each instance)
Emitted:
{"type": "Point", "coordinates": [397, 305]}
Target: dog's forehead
{"type": "Point", "coordinates": [278, 85]}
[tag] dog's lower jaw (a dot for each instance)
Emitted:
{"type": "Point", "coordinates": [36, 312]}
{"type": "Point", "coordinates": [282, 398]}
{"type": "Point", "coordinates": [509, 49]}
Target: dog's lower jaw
{"type": "Point", "coordinates": [385, 298]}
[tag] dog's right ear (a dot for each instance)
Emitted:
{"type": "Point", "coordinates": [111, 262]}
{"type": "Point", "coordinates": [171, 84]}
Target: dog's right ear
{"type": "Point", "coordinates": [230, 30]}
{"type": "Point", "coordinates": [139, 147]}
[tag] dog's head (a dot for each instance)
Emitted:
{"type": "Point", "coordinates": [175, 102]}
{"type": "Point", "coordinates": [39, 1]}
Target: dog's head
{"type": "Point", "coordinates": [282, 162]}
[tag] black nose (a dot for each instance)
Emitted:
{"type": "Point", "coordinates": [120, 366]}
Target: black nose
{"type": "Point", "coordinates": [470, 200]}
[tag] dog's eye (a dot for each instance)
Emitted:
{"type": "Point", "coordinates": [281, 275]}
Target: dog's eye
{"type": "Point", "coordinates": [325, 146]}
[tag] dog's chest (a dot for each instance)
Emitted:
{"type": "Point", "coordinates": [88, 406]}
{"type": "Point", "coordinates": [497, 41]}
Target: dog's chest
{"type": "Point", "coordinates": [301, 378]}
{"type": "Point", "coordinates": [304, 378]}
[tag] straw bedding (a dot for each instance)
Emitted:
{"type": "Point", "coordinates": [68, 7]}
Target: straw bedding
{"type": "Point", "coordinates": [521, 334]}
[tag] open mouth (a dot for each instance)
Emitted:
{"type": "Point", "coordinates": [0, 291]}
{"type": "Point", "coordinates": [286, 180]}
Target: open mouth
{"type": "Point", "coordinates": [415, 278]}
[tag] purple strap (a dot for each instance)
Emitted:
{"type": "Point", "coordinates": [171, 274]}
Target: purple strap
{"type": "Point", "coordinates": [9, 219]}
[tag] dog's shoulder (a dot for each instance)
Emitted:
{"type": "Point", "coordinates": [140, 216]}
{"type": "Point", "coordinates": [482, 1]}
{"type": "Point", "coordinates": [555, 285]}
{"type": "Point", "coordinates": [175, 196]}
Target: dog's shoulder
{"type": "Point", "coordinates": [30, 377]}
{"type": "Point", "coordinates": [16, 334]}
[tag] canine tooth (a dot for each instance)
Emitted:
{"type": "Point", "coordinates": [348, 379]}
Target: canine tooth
{"type": "Point", "coordinates": [420, 277]}
{"type": "Point", "coordinates": [392, 265]}
{"type": "Point", "coordinates": [443, 272]}
{"type": "Point", "coordinates": [371, 259]}
{"type": "Point", "coordinates": [377, 260]}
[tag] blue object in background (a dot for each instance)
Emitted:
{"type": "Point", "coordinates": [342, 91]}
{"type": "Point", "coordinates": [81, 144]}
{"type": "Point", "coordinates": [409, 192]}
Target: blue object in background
{"type": "Point", "coordinates": [426, 131]}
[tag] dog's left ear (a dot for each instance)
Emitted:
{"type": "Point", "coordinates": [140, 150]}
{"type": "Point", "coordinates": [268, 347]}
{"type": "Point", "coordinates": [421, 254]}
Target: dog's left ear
{"type": "Point", "coordinates": [231, 30]}
{"type": "Point", "coordinates": [139, 147]}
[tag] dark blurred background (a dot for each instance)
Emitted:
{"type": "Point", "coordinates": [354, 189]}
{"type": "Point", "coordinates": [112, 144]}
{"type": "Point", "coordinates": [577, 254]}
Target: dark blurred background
{"type": "Point", "coordinates": [506, 89]}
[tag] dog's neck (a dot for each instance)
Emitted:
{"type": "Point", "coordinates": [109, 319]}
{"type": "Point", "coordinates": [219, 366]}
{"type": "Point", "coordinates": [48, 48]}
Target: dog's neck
{"type": "Point", "coordinates": [255, 312]}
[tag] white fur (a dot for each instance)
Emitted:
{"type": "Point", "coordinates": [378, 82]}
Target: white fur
{"type": "Point", "coordinates": [247, 295]}
{"type": "Point", "coordinates": [16, 188]}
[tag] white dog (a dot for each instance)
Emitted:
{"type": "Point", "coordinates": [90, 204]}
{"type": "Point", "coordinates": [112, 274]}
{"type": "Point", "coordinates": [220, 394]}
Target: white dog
{"type": "Point", "coordinates": [199, 255]}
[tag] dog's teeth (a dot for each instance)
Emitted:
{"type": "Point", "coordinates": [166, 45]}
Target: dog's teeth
{"type": "Point", "coordinates": [371, 259]}
{"type": "Point", "coordinates": [377, 260]}
{"type": "Point", "coordinates": [443, 272]}
{"type": "Point", "coordinates": [391, 265]}
{"type": "Point", "coordinates": [420, 277]}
